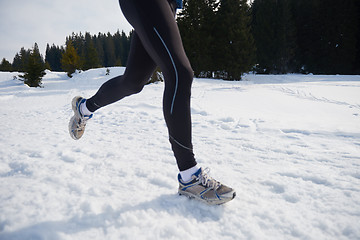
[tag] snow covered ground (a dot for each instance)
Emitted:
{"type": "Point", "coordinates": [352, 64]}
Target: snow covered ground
{"type": "Point", "coordinates": [288, 144]}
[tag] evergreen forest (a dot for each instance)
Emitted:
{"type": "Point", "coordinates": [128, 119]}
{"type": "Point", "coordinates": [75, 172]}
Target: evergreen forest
{"type": "Point", "coordinates": [226, 38]}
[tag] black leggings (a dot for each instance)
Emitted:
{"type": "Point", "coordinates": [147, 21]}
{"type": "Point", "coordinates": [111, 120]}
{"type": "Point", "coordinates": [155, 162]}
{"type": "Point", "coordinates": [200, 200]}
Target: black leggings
{"type": "Point", "coordinates": [156, 42]}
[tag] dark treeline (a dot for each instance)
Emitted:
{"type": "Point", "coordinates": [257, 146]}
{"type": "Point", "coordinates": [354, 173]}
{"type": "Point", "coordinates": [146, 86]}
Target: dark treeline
{"type": "Point", "coordinates": [217, 37]}
{"type": "Point", "coordinates": [226, 38]}
{"type": "Point", "coordinates": [102, 50]}
{"type": "Point", "coordinates": [317, 36]}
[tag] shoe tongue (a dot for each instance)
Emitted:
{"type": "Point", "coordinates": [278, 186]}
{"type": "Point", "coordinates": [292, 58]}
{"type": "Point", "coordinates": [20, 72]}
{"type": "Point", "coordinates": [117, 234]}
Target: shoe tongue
{"type": "Point", "coordinates": [197, 173]}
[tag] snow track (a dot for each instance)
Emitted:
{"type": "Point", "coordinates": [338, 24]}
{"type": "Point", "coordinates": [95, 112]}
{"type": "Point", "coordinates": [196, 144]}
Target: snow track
{"type": "Point", "coordinates": [289, 145]}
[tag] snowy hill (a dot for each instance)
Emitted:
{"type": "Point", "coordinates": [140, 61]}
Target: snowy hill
{"type": "Point", "coordinates": [288, 144]}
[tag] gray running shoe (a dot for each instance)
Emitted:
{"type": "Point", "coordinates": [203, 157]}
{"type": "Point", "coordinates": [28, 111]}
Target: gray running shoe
{"type": "Point", "coordinates": [78, 121]}
{"type": "Point", "coordinates": [206, 189]}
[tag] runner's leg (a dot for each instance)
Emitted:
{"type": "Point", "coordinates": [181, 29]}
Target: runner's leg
{"type": "Point", "coordinates": [139, 68]}
{"type": "Point", "coordinates": [157, 41]}
{"type": "Point", "coordinates": [154, 22]}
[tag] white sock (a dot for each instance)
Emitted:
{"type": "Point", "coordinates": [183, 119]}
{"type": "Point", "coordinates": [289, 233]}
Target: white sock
{"type": "Point", "coordinates": [186, 175]}
{"type": "Point", "coordinates": [84, 110]}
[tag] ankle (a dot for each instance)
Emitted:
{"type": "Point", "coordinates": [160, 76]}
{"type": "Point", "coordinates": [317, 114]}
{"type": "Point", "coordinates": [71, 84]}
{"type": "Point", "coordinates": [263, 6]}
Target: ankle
{"type": "Point", "coordinates": [84, 110]}
{"type": "Point", "coordinates": [187, 174]}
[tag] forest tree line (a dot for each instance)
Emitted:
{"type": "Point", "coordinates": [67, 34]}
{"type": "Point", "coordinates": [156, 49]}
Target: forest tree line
{"type": "Point", "coordinates": [82, 52]}
{"type": "Point", "coordinates": [226, 38]}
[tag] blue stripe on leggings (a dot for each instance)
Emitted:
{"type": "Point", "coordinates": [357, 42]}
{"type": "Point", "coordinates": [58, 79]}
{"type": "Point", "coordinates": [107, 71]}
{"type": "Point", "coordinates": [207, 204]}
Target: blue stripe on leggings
{"type": "Point", "coordinates": [176, 73]}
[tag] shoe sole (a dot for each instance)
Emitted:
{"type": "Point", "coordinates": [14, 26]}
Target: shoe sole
{"type": "Point", "coordinates": [73, 106]}
{"type": "Point", "coordinates": [214, 202]}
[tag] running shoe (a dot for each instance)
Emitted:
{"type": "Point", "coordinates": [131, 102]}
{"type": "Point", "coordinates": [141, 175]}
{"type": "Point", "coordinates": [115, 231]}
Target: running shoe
{"type": "Point", "coordinates": [78, 121]}
{"type": "Point", "coordinates": [205, 189]}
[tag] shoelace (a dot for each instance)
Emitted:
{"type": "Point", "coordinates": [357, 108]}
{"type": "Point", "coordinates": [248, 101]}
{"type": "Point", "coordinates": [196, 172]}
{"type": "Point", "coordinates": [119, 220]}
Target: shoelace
{"type": "Point", "coordinates": [208, 181]}
{"type": "Point", "coordinates": [82, 122]}
{"type": "Point", "coordinates": [82, 119]}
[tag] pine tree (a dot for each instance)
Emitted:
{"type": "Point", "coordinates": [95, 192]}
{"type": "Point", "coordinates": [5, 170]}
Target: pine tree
{"type": "Point", "coordinates": [234, 47]}
{"type": "Point", "coordinates": [118, 47]}
{"type": "Point", "coordinates": [70, 60]}
{"type": "Point", "coordinates": [196, 23]}
{"type": "Point", "coordinates": [5, 66]}
{"type": "Point", "coordinates": [53, 57]}
{"type": "Point", "coordinates": [109, 50]}
{"type": "Point", "coordinates": [16, 65]}
{"type": "Point", "coordinates": [100, 49]}
{"type": "Point", "coordinates": [274, 34]}
{"type": "Point", "coordinates": [89, 55]}
{"type": "Point", "coordinates": [125, 47]}
{"type": "Point", "coordinates": [20, 60]}
{"type": "Point", "coordinates": [35, 68]}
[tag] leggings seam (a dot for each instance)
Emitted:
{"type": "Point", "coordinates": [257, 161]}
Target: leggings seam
{"type": "Point", "coordinates": [181, 145]}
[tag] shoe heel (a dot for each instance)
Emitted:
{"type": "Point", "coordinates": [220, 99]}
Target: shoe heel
{"type": "Point", "coordinates": [74, 102]}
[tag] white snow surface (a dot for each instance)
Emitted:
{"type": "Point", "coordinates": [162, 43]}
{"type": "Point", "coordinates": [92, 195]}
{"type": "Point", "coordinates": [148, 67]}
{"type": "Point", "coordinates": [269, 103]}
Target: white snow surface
{"type": "Point", "coordinates": [288, 144]}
